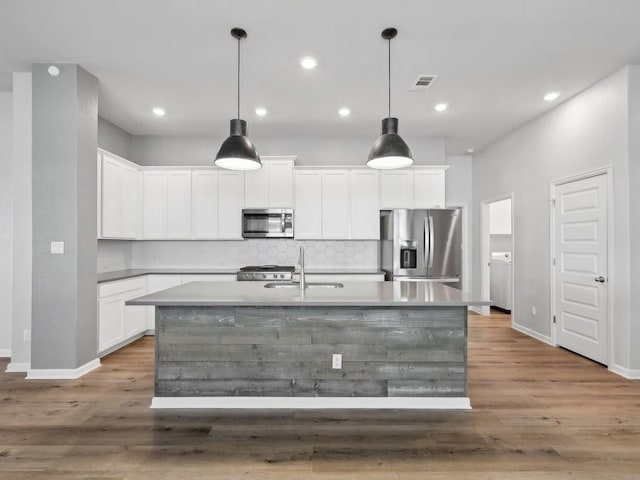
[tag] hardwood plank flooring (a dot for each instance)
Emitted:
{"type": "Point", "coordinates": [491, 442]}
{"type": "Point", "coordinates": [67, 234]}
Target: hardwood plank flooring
{"type": "Point", "coordinates": [538, 413]}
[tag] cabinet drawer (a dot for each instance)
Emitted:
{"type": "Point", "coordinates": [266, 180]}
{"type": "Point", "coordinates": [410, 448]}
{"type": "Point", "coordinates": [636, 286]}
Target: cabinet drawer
{"type": "Point", "coordinates": [121, 286]}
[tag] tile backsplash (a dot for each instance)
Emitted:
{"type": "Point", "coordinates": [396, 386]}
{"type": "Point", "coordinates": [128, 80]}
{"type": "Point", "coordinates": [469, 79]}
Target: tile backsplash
{"type": "Point", "coordinates": [234, 254]}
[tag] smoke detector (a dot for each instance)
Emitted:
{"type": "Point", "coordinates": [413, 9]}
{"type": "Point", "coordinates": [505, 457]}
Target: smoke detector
{"type": "Point", "coordinates": [422, 83]}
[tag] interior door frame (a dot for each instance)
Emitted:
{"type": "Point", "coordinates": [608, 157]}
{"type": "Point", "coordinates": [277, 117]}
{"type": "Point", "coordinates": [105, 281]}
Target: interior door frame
{"type": "Point", "coordinates": [608, 171]}
{"type": "Point", "coordinates": [485, 251]}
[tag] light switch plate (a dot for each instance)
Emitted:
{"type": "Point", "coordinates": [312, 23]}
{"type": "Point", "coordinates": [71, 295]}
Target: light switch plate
{"type": "Point", "coordinates": [57, 248]}
{"type": "Point", "coordinates": [336, 361]}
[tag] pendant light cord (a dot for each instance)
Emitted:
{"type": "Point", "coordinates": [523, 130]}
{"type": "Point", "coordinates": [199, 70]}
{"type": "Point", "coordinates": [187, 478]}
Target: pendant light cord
{"type": "Point", "coordinates": [389, 78]}
{"type": "Point", "coordinates": [238, 78]}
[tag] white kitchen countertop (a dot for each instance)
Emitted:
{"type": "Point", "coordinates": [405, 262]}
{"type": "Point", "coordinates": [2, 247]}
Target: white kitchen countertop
{"type": "Point", "coordinates": [370, 294]}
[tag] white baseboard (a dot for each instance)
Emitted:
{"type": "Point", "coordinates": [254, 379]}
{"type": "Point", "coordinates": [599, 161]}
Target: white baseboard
{"type": "Point", "coordinates": [630, 373]}
{"type": "Point", "coordinates": [533, 333]}
{"type": "Point", "coordinates": [62, 373]}
{"type": "Point", "coordinates": [5, 353]}
{"type": "Point", "coordinates": [448, 403]}
{"type": "Point", "coordinates": [15, 367]}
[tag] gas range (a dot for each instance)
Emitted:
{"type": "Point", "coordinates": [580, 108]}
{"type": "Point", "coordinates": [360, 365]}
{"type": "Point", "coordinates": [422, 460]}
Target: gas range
{"type": "Point", "coordinates": [264, 273]}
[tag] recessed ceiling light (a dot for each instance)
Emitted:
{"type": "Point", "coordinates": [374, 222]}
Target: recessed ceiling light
{"type": "Point", "coordinates": [470, 150]}
{"type": "Point", "coordinates": [441, 107]}
{"type": "Point", "coordinates": [261, 111]}
{"type": "Point", "coordinates": [53, 70]}
{"type": "Point", "coordinates": [344, 112]}
{"type": "Point", "coordinates": [159, 111]}
{"type": "Point", "coordinates": [551, 96]}
{"type": "Point", "coordinates": [309, 63]}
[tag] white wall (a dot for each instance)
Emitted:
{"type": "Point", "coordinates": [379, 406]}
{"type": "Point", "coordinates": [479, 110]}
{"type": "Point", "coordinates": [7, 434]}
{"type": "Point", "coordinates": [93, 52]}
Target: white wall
{"type": "Point", "coordinates": [586, 132]}
{"type": "Point", "coordinates": [6, 221]}
{"type": "Point", "coordinates": [312, 150]}
{"type": "Point", "coordinates": [22, 228]}
{"type": "Point", "coordinates": [634, 216]}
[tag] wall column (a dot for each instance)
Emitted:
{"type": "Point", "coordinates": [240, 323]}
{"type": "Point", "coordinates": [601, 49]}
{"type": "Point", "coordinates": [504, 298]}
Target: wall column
{"type": "Point", "coordinates": [64, 319]}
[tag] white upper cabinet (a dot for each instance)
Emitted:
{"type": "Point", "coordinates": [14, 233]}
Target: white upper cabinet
{"type": "Point", "coordinates": [308, 204]}
{"type": "Point", "coordinates": [154, 204]}
{"type": "Point", "coordinates": [204, 207]}
{"type": "Point", "coordinates": [179, 204]}
{"type": "Point", "coordinates": [117, 197]}
{"type": "Point", "coordinates": [396, 189]}
{"type": "Point", "coordinates": [416, 187]}
{"type": "Point", "coordinates": [365, 213]}
{"type": "Point", "coordinates": [335, 204]}
{"type": "Point", "coordinates": [230, 204]}
{"type": "Point", "coordinates": [270, 186]}
{"type": "Point", "coordinates": [429, 188]}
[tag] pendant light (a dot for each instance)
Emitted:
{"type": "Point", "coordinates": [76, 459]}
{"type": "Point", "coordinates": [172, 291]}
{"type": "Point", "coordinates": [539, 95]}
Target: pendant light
{"type": "Point", "coordinates": [237, 152]}
{"type": "Point", "coordinates": [390, 151]}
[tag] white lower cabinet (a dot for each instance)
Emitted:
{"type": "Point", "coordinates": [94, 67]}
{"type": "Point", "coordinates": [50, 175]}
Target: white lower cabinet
{"type": "Point", "coordinates": [118, 322]}
{"type": "Point", "coordinates": [344, 277]}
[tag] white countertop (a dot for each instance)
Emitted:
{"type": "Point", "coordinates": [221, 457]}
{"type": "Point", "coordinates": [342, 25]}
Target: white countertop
{"type": "Point", "coordinates": [398, 293]}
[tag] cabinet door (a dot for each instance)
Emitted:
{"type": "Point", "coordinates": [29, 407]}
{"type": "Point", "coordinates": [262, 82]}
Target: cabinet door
{"type": "Point", "coordinates": [280, 183]}
{"type": "Point", "coordinates": [335, 204]}
{"type": "Point", "coordinates": [429, 188]}
{"type": "Point", "coordinates": [134, 317]}
{"type": "Point", "coordinates": [256, 187]}
{"type": "Point", "coordinates": [230, 204]}
{"type": "Point", "coordinates": [111, 219]}
{"type": "Point", "coordinates": [129, 201]}
{"type": "Point", "coordinates": [365, 212]}
{"type": "Point", "coordinates": [204, 204]}
{"type": "Point", "coordinates": [308, 205]}
{"type": "Point", "coordinates": [396, 189]}
{"type": "Point", "coordinates": [155, 205]}
{"type": "Point", "coordinates": [110, 322]}
{"type": "Point", "coordinates": [179, 204]}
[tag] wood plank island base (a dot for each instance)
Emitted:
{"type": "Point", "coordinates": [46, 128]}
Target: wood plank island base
{"type": "Point", "coordinates": [239, 345]}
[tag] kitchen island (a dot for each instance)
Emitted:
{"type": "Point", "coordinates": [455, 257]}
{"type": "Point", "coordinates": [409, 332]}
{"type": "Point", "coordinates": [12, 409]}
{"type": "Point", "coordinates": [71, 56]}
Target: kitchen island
{"type": "Point", "coordinates": [365, 345]}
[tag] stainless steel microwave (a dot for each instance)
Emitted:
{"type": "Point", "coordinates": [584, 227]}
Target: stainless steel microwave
{"type": "Point", "coordinates": [267, 223]}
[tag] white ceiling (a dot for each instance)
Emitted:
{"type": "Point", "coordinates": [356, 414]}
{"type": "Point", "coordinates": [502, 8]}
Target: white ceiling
{"type": "Point", "coordinates": [494, 58]}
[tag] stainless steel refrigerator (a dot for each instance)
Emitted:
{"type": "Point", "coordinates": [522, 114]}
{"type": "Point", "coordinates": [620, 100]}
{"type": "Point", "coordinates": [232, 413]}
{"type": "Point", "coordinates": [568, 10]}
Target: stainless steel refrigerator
{"type": "Point", "coordinates": [422, 245]}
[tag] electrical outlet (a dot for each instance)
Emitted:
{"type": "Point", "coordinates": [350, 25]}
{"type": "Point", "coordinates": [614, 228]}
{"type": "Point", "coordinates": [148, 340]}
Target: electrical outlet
{"type": "Point", "coordinates": [336, 362]}
{"type": "Point", "coordinates": [26, 335]}
{"type": "Point", "coordinates": [533, 311]}
{"type": "Point", "coordinates": [57, 248]}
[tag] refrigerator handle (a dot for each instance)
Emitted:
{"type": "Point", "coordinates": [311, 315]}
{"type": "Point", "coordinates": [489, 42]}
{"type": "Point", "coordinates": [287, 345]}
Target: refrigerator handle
{"type": "Point", "coordinates": [427, 241]}
{"type": "Point", "coordinates": [431, 241]}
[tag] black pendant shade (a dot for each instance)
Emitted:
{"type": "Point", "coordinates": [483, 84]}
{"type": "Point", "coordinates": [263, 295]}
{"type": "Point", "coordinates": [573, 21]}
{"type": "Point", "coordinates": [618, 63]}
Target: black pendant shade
{"type": "Point", "coordinates": [237, 152]}
{"type": "Point", "coordinates": [390, 150]}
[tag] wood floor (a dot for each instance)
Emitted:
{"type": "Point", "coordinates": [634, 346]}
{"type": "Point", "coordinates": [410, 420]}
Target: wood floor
{"type": "Point", "coordinates": [539, 413]}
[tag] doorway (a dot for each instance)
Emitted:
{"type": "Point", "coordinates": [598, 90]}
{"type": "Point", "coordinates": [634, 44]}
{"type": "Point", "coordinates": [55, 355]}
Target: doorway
{"type": "Point", "coordinates": [580, 246]}
{"type": "Point", "coordinates": [497, 245]}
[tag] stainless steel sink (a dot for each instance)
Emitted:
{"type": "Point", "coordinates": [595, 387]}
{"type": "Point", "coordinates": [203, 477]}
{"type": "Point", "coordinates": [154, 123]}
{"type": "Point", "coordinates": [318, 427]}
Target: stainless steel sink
{"type": "Point", "coordinates": [309, 285]}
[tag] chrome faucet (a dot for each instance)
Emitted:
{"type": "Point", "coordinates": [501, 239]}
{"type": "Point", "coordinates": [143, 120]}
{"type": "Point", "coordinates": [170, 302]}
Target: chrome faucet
{"type": "Point", "coordinates": [303, 282]}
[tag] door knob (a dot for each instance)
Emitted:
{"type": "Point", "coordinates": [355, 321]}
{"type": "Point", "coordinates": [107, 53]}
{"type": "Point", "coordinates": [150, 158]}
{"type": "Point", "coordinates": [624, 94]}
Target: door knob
{"type": "Point", "coordinates": [600, 279]}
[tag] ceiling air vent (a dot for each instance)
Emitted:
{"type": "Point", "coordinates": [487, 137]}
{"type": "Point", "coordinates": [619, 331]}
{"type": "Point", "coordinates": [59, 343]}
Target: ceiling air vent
{"type": "Point", "coordinates": [422, 83]}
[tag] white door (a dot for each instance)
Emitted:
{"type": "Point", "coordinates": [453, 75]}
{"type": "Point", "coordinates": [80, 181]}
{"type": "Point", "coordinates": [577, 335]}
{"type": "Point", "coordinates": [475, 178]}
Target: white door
{"type": "Point", "coordinates": [281, 183]}
{"type": "Point", "coordinates": [580, 246]}
{"type": "Point", "coordinates": [365, 213]}
{"type": "Point", "coordinates": [111, 217]}
{"type": "Point", "coordinates": [396, 189]}
{"type": "Point", "coordinates": [256, 187]}
{"type": "Point", "coordinates": [129, 197]}
{"type": "Point", "coordinates": [308, 208]}
{"type": "Point", "coordinates": [429, 188]}
{"type": "Point", "coordinates": [179, 204]}
{"type": "Point", "coordinates": [335, 204]}
{"type": "Point", "coordinates": [155, 204]}
{"type": "Point", "coordinates": [230, 204]}
{"type": "Point", "coordinates": [204, 213]}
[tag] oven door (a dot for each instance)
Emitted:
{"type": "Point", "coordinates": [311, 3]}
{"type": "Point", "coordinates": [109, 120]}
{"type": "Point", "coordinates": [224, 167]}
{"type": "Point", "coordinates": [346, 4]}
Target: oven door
{"type": "Point", "coordinates": [267, 223]}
